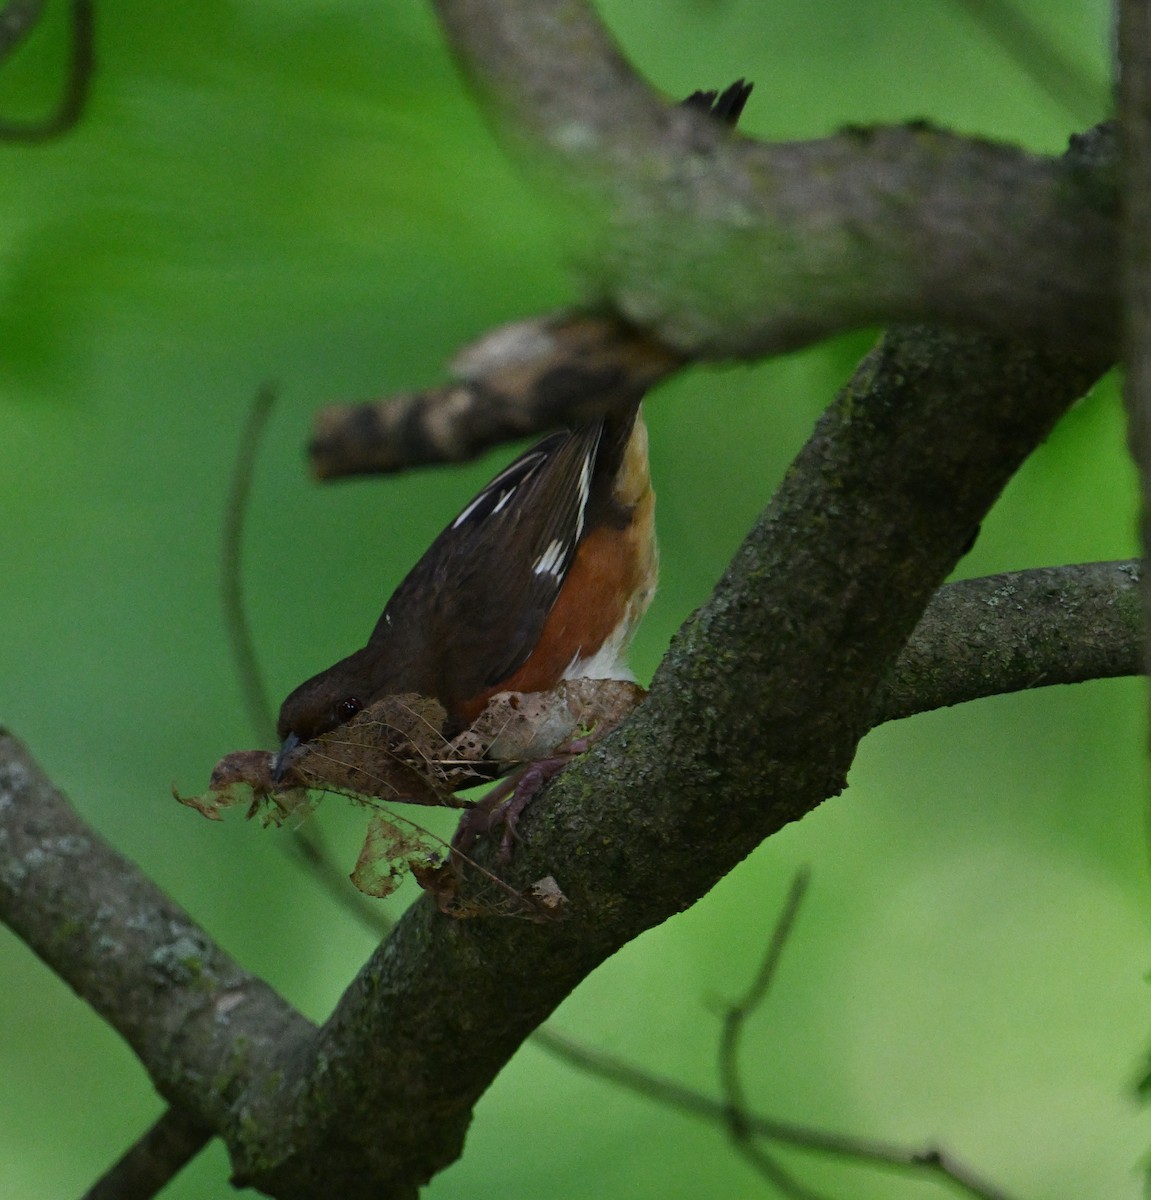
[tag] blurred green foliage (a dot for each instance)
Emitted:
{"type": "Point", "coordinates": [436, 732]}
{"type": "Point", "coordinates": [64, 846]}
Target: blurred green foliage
{"type": "Point", "coordinates": [304, 193]}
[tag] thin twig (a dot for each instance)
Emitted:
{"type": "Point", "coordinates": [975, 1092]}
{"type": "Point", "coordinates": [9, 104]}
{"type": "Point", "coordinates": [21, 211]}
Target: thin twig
{"type": "Point", "coordinates": [733, 1111]}
{"type": "Point", "coordinates": [78, 85]}
{"type": "Point", "coordinates": [781, 1179]}
{"type": "Point", "coordinates": [154, 1161]}
{"type": "Point", "coordinates": [307, 843]}
{"type": "Point", "coordinates": [675, 1095]}
{"type": "Point", "coordinates": [17, 21]}
{"type": "Point", "coordinates": [734, 1022]}
{"type": "Point", "coordinates": [736, 1113]}
{"type": "Point", "coordinates": [309, 847]}
{"type": "Point", "coordinates": [236, 618]}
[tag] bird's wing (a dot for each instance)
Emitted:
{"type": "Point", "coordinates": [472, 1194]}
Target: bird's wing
{"type": "Point", "coordinates": [476, 602]}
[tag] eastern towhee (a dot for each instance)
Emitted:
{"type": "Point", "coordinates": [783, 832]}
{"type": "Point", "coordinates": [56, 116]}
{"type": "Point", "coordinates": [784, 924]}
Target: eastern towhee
{"type": "Point", "coordinates": [541, 578]}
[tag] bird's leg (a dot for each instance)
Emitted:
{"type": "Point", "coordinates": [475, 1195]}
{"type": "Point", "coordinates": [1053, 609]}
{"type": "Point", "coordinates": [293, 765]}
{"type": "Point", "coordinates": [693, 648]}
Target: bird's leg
{"type": "Point", "coordinates": [505, 803]}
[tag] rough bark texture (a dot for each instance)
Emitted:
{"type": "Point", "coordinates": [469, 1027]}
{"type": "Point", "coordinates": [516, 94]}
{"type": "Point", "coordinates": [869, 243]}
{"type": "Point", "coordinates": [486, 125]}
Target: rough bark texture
{"type": "Point", "coordinates": [149, 970]}
{"type": "Point", "coordinates": [727, 247]}
{"type": "Point", "coordinates": [753, 720]}
{"type": "Point", "coordinates": [199, 1023]}
{"type": "Point", "coordinates": [1016, 631]}
{"type": "Point", "coordinates": [721, 247]}
{"type": "Point", "coordinates": [1135, 110]}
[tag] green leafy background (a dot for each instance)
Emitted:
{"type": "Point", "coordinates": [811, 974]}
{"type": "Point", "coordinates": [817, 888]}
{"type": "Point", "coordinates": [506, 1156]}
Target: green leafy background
{"type": "Point", "coordinates": [303, 193]}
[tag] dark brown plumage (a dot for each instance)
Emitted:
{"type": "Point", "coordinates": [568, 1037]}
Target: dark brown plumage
{"type": "Point", "coordinates": [541, 577]}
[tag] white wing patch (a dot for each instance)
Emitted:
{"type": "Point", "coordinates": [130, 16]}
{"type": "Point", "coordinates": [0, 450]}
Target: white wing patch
{"type": "Point", "coordinates": [485, 498]}
{"type": "Point", "coordinates": [471, 508]}
{"type": "Point", "coordinates": [551, 562]}
{"type": "Point", "coordinates": [504, 486]}
{"type": "Point", "coordinates": [584, 491]}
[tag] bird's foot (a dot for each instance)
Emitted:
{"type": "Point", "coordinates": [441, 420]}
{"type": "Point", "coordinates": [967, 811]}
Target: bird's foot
{"type": "Point", "coordinates": [505, 804]}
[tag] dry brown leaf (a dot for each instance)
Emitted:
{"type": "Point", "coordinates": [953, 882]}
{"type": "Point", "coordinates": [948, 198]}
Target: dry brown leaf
{"type": "Point", "coordinates": [396, 751]}
{"type": "Point", "coordinates": [244, 778]}
{"type": "Point", "coordinates": [522, 727]}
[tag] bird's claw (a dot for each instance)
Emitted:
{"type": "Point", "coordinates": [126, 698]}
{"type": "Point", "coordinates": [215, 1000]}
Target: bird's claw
{"type": "Point", "coordinates": [504, 805]}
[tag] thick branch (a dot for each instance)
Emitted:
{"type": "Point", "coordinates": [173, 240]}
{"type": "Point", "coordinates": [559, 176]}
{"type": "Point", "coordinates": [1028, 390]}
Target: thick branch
{"type": "Point", "coordinates": [519, 379]}
{"type": "Point", "coordinates": [753, 719]}
{"type": "Point", "coordinates": [725, 247]}
{"type": "Point", "coordinates": [197, 1021]}
{"type": "Point", "coordinates": [154, 1161]}
{"type": "Point", "coordinates": [1135, 112]}
{"type": "Point", "coordinates": [755, 715]}
{"type": "Point", "coordinates": [1020, 630]}
{"type": "Point", "coordinates": [977, 637]}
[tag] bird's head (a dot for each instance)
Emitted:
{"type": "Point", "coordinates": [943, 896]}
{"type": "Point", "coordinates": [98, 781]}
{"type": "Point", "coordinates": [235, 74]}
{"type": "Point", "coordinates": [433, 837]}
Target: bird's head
{"type": "Point", "coordinates": [323, 703]}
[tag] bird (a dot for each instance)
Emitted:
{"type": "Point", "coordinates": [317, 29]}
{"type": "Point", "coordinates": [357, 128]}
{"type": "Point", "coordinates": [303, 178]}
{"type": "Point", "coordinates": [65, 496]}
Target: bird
{"type": "Point", "coordinates": [542, 577]}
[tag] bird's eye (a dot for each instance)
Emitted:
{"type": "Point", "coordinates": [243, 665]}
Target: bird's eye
{"type": "Point", "coordinates": [347, 708]}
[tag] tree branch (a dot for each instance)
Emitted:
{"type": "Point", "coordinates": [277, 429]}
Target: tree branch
{"type": "Point", "coordinates": [1135, 114]}
{"type": "Point", "coordinates": [724, 247]}
{"type": "Point", "coordinates": [203, 1028]}
{"type": "Point", "coordinates": [1030, 47]}
{"type": "Point", "coordinates": [17, 20]}
{"type": "Point", "coordinates": [753, 719]}
{"type": "Point", "coordinates": [674, 1095]}
{"type": "Point", "coordinates": [755, 715]}
{"type": "Point", "coordinates": [519, 379]}
{"type": "Point", "coordinates": [1016, 631]}
{"type": "Point", "coordinates": [736, 1110]}
{"type": "Point", "coordinates": [154, 1161]}
{"type": "Point", "coordinates": [977, 637]}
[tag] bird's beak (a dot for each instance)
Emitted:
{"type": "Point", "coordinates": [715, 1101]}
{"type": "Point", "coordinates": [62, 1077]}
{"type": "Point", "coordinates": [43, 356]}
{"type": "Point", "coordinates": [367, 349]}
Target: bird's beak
{"type": "Point", "coordinates": [280, 762]}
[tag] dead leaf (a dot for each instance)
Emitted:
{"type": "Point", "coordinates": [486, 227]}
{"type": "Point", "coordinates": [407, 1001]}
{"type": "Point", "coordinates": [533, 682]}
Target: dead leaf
{"type": "Point", "coordinates": [523, 727]}
{"type": "Point", "coordinates": [388, 852]}
{"type": "Point", "coordinates": [244, 778]}
{"type": "Point", "coordinates": [396, 751]}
